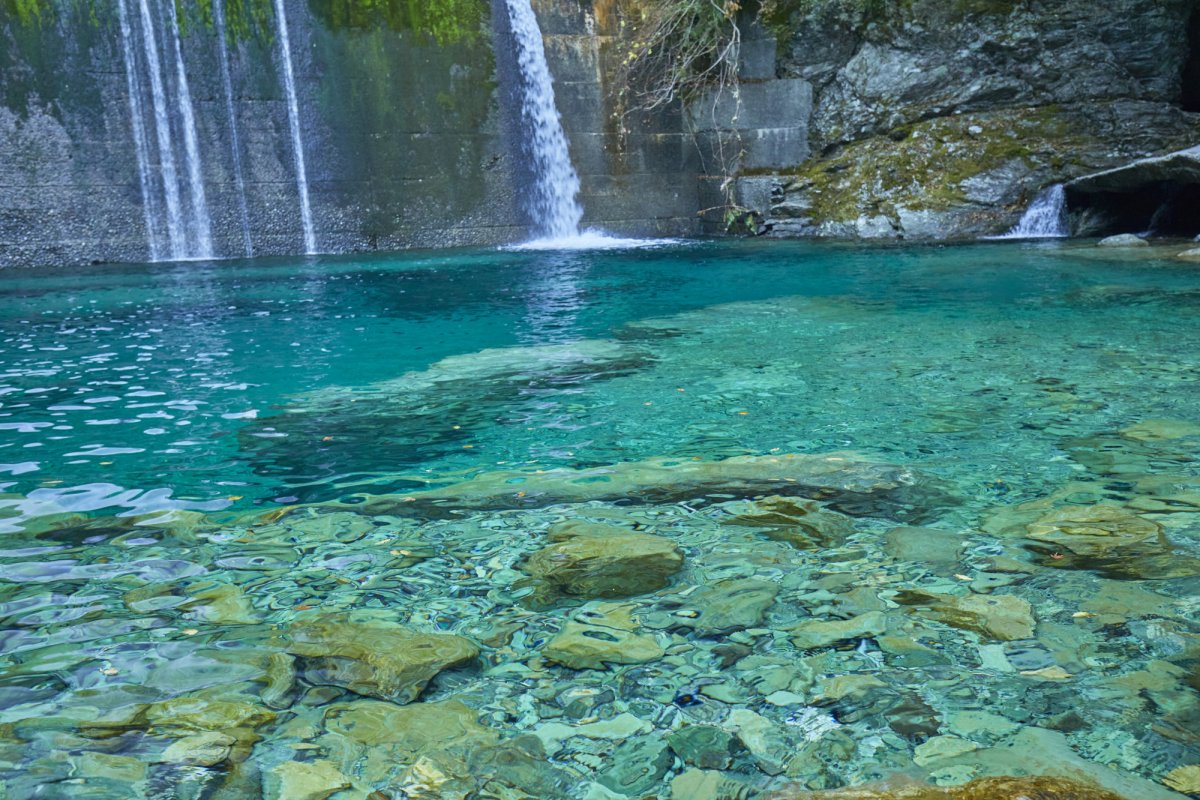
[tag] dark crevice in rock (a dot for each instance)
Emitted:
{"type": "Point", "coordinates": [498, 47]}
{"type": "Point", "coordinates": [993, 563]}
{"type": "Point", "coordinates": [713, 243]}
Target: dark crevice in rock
{"type": "Point", "coordinates": [1191, 67]}
{"type": "Point", "coordinates": [1165, 208]}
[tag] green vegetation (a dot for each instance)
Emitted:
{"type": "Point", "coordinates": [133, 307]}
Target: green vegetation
{"type": "Point", "coordinates": [26, 12]}
{"type": "Point", "coordinates": [441, 21]}
{"type": "Point", "coordinates": [923, 166]}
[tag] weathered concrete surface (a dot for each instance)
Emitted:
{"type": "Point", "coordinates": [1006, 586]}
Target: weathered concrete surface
{"type": "Point", "coordinates": [404, 131]}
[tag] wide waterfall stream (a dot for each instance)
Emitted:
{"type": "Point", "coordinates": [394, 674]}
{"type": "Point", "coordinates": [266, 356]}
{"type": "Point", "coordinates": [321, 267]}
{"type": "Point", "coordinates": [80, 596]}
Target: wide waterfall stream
{"type": "Point", "coordinates": [553, 198]}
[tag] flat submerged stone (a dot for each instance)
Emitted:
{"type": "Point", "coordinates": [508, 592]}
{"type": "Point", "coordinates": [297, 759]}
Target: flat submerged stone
{"type": "Point", "coordinates": [372, 657]}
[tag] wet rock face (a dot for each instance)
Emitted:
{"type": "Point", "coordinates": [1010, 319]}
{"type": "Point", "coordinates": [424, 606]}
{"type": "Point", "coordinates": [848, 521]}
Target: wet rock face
{"type": "Point", "coordinates": [936, 59]}
{"type": "Point", "coordinates": [943, 120]}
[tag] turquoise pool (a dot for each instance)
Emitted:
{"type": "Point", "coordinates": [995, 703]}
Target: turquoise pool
{"type": "Point", "coordinates": [601, 524]}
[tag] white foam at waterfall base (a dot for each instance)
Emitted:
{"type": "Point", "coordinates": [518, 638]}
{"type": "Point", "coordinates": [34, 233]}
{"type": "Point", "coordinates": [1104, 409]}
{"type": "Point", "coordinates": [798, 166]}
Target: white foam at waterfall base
{"type": "Point", "coordinates": [591, 240]}
{"type": "Point", "coordinates": [1046, 217]}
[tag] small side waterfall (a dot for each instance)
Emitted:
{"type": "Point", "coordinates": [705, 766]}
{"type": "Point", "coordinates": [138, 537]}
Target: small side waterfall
{"type": "Point", "coordinates": [289, 80]}
{"type": "Point", "coordinates": [1046, 217]}
{"type": "Point", "coordinates": [235, 147]}
{"type": "Point", "coordinates": [554, 200]}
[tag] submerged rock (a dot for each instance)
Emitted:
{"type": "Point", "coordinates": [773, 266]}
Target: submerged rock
{"type": "Point", "coordinates": [703, 746]}
{"type": "Point", "coordinates": [636, 766]}
{"type": "Point", "coordinates": [804, 524]}
{"type": "Point", "coordinates": [303, 780]}
{"type": "Point", "coordinates": [842, 481]}
{"type": "Point", "coordinates": [812, 634]}
{"type": "Point", "coordinates": [201, 750]}
{"type": "Point", "coordinates": [1026, 788]}
{"type": "Point", "coordinates": [201, 714]}
{"type": "Point", "coordinates": [702, 784]}
{"type": "Point", "coordinates": [372, 657]}
{"type": "Point", "coordinates": [1123, 240]}
{"type": "Point", "coordinates": [1094, 530]}
{"type": "Point", "coordinates": [601, 635]}
{"type": "Point", "coordinates": [412, 730]}
{"type": "Point", "coordinates": [1184, 779]}
{"type": "Point", "coordinates": [937, 549]}
{"type": "Point", "coordinates": [996, 616]}
{"type": "Point", "coordinates": [603, 561]}
{"type": "Point", "coordinates": [725, 606]}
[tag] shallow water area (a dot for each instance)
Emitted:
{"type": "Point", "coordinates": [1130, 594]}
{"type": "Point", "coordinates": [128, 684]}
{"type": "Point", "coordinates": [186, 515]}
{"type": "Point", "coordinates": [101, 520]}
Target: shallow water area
{"type": "Point", "coordinates": [715, 520]}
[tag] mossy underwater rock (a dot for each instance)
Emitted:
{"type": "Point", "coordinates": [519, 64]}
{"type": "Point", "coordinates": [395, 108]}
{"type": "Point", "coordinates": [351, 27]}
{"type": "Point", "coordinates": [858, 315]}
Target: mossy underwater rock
{"type": "Point", "coordinates": [603, 561]}
{"type": "Point", "coordinates": [372, 657]}
{"type": "Point", "coordinates": [804, 524]}
{"type": "Point", "coordinates": [996, 616]}
{"type": "Point", "coordinates": [600, 635]}
{"type": "Point", "coordinates": [1027, 788]}
{"type": "Point", "coordinates": [843, 481]}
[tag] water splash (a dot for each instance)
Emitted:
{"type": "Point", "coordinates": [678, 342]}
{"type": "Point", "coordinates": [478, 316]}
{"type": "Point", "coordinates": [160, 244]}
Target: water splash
{"type": "Point", "coordinates": [218, 8]}
{"type": "Point", "coordinates": [1046, 217]}
{"type": "Point", "coordinates": [554, 200]}
{"type": "Point", "coordinates": [289, 81]}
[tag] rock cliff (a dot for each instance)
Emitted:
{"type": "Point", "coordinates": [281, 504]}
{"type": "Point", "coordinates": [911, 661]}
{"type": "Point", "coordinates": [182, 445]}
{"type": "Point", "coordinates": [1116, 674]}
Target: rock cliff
{"type": "Point", "coordinates": [936, 119]}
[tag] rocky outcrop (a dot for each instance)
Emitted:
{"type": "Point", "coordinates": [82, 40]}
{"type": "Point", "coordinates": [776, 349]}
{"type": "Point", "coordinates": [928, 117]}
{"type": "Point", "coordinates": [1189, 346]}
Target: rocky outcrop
{"type": "Point", "coordinates": [943, 120]}
{"type": "Point", "coordinates": [1159, 194]}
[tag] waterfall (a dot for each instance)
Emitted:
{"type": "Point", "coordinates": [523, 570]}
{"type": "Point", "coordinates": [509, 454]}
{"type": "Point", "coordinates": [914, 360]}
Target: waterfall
{"type": "Point", "coordinates": [554, 200]}
{"type": "Point", "coordinates": [200, 228]}
{"type": "Point", "coordinates": [218, 8]}
{"type": "Point", "coordinates": [162, 129]}
{"type": "Point", "coordinates": [141, 146]}
{"type": "Point", "coordinates": [174, 229]}
{"type": "Point", "coordinates": [289, 80]}
{"type": "Point", "coordinates": [1046, 217]}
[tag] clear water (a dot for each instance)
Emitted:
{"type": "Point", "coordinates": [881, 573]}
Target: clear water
{"type": "Point", "coordinates": [271, 401]}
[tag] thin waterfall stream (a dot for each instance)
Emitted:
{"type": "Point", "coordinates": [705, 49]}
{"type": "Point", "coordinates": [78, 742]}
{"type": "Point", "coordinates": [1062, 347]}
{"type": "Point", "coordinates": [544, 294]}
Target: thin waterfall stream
{"type": "Point", "coordinates": [150, 205]}
{"type": "Point", "coordinates": [289, 81]}
{"type": "Point", "coordinates": [235, 148]}
{"type": "Point", "coordinates": [162, 130]}
{"type": "Point", "coordinates": [199, 230]}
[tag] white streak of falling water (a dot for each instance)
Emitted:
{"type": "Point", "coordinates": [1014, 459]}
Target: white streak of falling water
{"type": "Point", "coordinates": [218, 7]}
{"type": "Point", "coordinates": [1046, 217]}
{"type": "Point", "coordinates": [138, 125]}
{"type": "Point", "coordinates": [162, 128]}
{"type": "Point", "coordinates": [200, 229]}
{"type": "Point", "coordinates": [554, 203]}
{"type": "Point", "coordinates": [289, 79]}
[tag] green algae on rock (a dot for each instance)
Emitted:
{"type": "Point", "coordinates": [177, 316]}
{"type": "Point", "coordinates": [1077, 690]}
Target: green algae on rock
{"type": "Point", "coordinates": [603, 561]}
{"type": "Point", "coordinates": [835, 478]}
{"type": "Point", "coordinates": [996, 616]}
{"type": "Point", "coordinates": [813, 634]}
{"type": "Point", "coordinates": [801, 523]}
{"type": "Point", "coordinates": [373, 657]}
{"type": "Point", "coordinates": [599, 635]}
